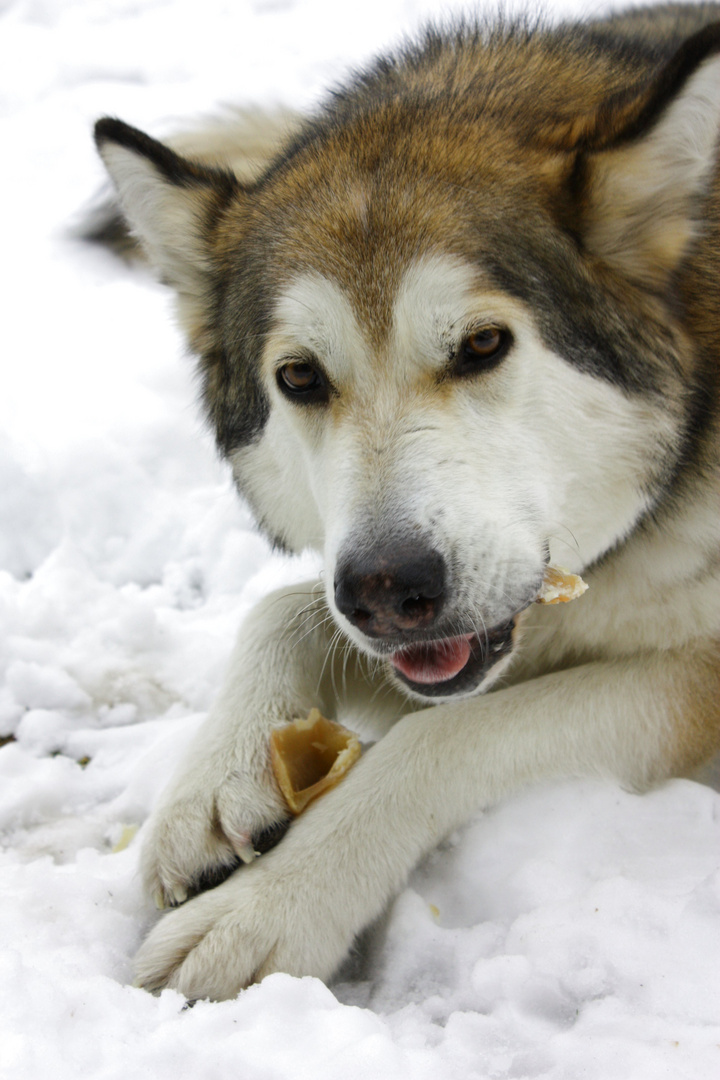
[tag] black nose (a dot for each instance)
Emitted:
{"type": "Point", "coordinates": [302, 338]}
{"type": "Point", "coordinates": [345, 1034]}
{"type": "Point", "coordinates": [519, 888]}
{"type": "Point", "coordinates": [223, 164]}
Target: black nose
{"type": "Point", "coordinates": [391, 589]}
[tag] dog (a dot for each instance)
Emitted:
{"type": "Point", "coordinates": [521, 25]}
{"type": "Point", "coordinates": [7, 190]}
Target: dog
{"type": "Point", "coordinates": [459, 323]}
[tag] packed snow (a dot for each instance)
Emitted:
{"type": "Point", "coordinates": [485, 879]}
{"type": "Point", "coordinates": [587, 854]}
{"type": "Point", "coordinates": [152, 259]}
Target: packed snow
{"type": "Point", "coordinates": [572, 931]}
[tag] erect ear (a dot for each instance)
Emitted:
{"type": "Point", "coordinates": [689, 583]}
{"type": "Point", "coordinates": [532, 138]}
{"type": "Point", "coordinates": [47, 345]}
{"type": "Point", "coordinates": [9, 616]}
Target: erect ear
{"type": "Point", "coordinates": [169, 202]}
{"type": "Point", "coordinates": [646, 164]}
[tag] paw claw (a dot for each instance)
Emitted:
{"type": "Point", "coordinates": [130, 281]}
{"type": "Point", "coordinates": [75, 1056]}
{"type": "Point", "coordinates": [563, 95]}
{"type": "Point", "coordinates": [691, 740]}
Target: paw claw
{"type": "Point", "coordinates": [197, 840]}
{"type": "Point", "coordinates": [242, 844]}
{"type": "Point", "coordinates": [247, 853]}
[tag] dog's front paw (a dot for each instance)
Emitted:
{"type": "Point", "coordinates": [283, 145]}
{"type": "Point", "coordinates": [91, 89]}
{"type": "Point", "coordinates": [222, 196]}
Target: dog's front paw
{"type": "Point", "coordinates": [211, 818]}
{"type": "Point", "coordinates": [280, 914]}
{"type": "Point", "coordinates": [299, 907]}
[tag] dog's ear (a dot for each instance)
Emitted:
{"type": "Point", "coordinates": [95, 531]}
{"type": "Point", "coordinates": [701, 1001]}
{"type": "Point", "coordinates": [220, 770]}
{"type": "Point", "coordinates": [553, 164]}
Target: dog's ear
{"type": "Point", "coordinates": [170, 203]}
{"type": "Point", "coordinates": [645, 165]}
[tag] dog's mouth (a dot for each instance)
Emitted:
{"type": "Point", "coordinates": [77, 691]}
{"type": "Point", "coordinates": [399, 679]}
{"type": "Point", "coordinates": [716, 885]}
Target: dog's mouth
{"type": "Point", "coordinates": [454, 665]}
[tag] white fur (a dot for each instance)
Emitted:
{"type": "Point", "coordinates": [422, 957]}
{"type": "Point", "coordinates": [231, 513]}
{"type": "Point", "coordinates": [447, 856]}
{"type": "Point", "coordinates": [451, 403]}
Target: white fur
{"type": "Point", "coordinates": [523, 470]}
{"type": "Point", "coordinates": [162, 215]}
{"type": "Point", "coordinates": [492, 469]}
{"type": "Point", "coordinates": [298, 907]}
{"type": "Point", "coordinates": [164, 218]}
{"type": "Point", "coordinates": [645, 193]}
{"type": "Point", "coordinates": [491, 472]}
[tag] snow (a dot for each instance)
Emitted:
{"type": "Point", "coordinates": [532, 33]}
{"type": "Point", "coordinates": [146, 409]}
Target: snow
{"type": "Point", "coordinates": [570, 932]}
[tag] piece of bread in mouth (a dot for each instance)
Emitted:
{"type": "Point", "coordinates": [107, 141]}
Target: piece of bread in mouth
{"type": "Point", "coordinates": [309, 756]}
{"type": "Point", "coordinates": [559, 586]}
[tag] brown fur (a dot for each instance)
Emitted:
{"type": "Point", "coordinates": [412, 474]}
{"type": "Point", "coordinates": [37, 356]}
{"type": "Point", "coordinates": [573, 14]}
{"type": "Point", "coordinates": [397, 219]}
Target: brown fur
{"type": "Point", "coordinates": [696, 733]}
{"type": "Point", "coordinates": [567, 177]}
{"type": "Point", "coordinates": [355, 182]}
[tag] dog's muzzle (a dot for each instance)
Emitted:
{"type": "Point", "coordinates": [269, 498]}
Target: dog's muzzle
{"type": "Point", "coordinates": [397, 596]}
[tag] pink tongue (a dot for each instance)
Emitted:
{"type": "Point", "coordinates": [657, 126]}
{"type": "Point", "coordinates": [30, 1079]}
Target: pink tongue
{"type": "Point", "coordinates": [434, 661]}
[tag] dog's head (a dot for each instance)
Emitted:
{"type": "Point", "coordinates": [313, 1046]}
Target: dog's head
{"type": "Point", "coordinates": [440, 348]}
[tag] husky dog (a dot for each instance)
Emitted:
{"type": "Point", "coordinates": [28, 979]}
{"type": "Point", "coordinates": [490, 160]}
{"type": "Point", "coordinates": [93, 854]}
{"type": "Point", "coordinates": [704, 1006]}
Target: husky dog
{"type": "Point", "coordinates": [462, 322]}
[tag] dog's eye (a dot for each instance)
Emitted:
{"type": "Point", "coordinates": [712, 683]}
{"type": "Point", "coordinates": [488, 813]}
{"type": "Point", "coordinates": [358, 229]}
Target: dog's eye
{"type": "Point", "coordinates": [483, 349]}
{"type": "Point", "coordinates": [302, 381]}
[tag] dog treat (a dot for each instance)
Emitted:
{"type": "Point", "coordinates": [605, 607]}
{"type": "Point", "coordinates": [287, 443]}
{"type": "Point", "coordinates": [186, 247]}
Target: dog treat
{"type": "Point", "coordinates": [559, 586]}
{"type": "Point", "coordinates": [311, 756]}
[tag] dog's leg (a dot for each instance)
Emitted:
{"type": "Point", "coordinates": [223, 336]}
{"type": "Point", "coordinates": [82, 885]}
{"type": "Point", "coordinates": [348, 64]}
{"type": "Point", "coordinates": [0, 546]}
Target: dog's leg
{"type": "Point", "coordinates": [298, 908]}
{"type": "Point", "coordinates": [224, 793]}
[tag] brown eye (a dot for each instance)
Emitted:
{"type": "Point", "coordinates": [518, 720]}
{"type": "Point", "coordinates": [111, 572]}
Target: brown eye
{"type": "Point", "coordinates": [298, 375]}
{"type": "Point", "coordinates": [483, 349]}
{"type": "Point", "coordinates": [302, 381]}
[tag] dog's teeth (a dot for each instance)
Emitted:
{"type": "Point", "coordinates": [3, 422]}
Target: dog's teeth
{"type": "Point", "coordinates": [159, 898]}
{"type": "Point", "coordinates": [180, 894]}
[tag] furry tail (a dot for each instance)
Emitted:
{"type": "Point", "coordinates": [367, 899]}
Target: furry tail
{"type": "Point", "coordinates": [243, 140]}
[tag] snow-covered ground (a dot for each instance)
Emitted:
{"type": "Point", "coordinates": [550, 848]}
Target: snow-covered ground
{"type": "Point", "coordinates": [572, 932]}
